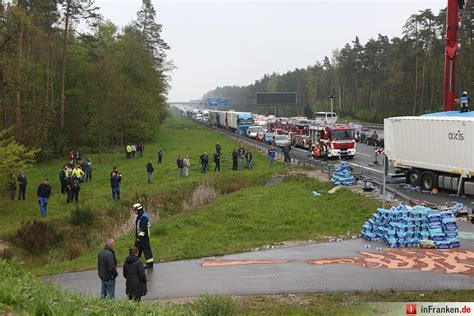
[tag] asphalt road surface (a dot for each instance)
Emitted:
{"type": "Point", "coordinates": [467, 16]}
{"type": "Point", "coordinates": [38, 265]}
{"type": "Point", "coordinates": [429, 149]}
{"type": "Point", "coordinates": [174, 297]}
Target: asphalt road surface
{"type": "Point", "coordinates": [363, 164]}
{"type": "Point", "coordinates": [324, 267]}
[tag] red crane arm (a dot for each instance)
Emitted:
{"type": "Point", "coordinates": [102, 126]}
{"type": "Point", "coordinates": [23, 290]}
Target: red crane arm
{"type": "Point", "coordinates": [453, 19]}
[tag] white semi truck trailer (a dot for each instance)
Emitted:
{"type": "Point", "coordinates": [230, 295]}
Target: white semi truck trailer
{"type": "Point", "coordinates": [434, 150]}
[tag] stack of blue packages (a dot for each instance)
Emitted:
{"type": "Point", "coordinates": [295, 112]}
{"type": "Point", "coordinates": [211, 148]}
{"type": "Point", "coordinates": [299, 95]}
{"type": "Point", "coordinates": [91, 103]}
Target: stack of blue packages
{"type": "Point", "coordinates": [342, 175]}
{"type": "Point", "coordinates": [403, 226]}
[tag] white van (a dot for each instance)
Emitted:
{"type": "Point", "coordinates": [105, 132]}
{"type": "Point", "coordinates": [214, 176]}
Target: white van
{"type": "Point", "coordinates": [323, 118]}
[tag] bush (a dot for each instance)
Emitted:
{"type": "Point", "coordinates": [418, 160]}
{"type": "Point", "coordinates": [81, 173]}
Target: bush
{"type": "Point", "coordinates": [82, 216]}
{"type": "Point", "coordinates": [73, 251]}
{"type": "Point", "coordinates": [36, 236]}
{"type": "Point", "coordinates": [210, 305]}
{"type": "Point", "coordinates": [7, 254]}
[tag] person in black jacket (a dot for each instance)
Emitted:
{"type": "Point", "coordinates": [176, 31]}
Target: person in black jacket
{"type": "Point", "coordinates": [142, 234]}
{"type": "Point", "coordinates": [204, 161]}
{"type": "Point", "coordinates": [107, 269]}
{"type": "Point", "coordinates": [22, 186]}
{"type": "Point", "coordinates": [217, 161]}
{"type": "Point", "coordinates": [62, 179]}
{"type": "Point", "coordinates": [115, 179]}
{"type": "Point", "coordinates": [149, 170]}
{"type": "Point", "coordinates": [134, 273]}
{"type": "Point", "coordinates": [235, 157]}
{"type": "Point", "coordinates": [43, 192]}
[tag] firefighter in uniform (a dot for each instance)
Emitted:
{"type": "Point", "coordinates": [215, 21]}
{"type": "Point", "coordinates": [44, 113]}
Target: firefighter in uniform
{"type": "Point", "coordinates": [464, 100]}
{"type": "Point", "coordinates": [142, 234]}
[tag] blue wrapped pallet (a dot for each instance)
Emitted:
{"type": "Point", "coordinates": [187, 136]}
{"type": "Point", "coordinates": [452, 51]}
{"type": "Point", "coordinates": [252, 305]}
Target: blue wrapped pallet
{"type": "Point", "coordinates": [342, 175]}
{"type": "Point", "coordinates": [403, 226]}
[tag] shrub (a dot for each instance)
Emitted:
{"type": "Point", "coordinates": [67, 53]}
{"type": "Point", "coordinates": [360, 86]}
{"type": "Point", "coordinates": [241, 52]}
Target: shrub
{"type": "Point", "coordinates": [210, 305]}
{"type": "Point", "coordinates": [82, 216]}
{"type": "Point", "coordinates": [7, 254]}
{"type": "Point", "coordinates": [36, 236]}
{"type": "Point", "coordinates": [73, 251]}
{"type": "Point", "coordinates": [202, 195]}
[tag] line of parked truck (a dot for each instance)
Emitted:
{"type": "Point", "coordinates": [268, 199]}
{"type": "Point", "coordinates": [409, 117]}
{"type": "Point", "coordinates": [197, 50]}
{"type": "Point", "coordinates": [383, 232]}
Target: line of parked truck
{"type": "Point", "coordinates": [338, 140]}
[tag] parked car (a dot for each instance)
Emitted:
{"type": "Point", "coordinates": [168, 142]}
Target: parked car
{"type": "Point", "coordinates": [281, 140]}
{"type": "Point", "coordinates": [268, 138]}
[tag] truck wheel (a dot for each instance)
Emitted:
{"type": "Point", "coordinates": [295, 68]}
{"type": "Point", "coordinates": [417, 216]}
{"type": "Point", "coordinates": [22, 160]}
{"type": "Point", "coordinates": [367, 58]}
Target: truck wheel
{"type": "Point", "coordinates": [413, 178]}
{"type": "Point", "coordinates": [428, 181]}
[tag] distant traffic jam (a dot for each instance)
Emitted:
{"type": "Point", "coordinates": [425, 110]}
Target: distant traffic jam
{"type": "Point", "coordinates": [322, 136]}
{"type": "Point", "coordinates": [422, 163]}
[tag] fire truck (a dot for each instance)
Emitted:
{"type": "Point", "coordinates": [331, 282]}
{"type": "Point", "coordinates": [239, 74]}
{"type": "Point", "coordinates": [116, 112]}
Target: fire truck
{"type": "Point", "coordinates": [299, 132]}
{"type": "Point", "coordinates": [338, 140]}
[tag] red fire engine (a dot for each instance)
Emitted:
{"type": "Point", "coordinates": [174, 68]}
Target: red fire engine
{"type": "Point", "coordinates": [337, 140]}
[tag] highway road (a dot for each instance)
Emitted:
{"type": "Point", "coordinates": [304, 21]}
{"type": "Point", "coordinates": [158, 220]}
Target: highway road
{"type": "Point", "coordinates": [363, 166]}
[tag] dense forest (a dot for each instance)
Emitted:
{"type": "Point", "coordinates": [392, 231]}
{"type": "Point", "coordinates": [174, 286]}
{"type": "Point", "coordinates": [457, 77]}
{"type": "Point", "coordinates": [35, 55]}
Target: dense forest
{"type": "Point", "coordinates": [69, 78]}
{"type": "Point", "coordinates": [383, 77]}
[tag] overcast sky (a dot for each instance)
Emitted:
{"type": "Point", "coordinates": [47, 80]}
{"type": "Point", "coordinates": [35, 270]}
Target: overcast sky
{"type": "Point", "coordinates": [236, 42]}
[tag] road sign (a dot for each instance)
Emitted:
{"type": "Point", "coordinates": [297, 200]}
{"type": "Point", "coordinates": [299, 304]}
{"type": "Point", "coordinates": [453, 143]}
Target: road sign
{"type": "Point", "coordinates": [218, 102]}
{"type": "Point", "coordinates": [276, 98]}
{"type": "Point", "coordinates": [379, 151]}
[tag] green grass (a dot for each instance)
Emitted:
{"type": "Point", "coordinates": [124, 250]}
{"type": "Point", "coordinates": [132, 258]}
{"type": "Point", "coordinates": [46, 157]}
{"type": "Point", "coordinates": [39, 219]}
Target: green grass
{"type": "Point", "coordinates": [167, 191]}
{"type": "Point", "coordinates": [249, 218]}
{"type": "Point", "coordinates": [177, 136]}
{"type": "Point", "coordinates": [355, 303]}
{"type": "Point", "coordinates": [252, 216]}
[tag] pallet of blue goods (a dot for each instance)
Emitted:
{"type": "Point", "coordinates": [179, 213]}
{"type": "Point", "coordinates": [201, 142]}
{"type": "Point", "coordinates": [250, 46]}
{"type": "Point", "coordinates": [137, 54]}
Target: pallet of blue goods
{"type": "Point", "coordinates": [419, 226]}
{"type": "Point", "coordinates": [343, 175]}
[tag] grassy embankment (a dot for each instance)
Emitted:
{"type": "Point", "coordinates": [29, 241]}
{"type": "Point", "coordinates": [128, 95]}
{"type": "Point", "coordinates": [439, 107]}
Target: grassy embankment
{"type": "Point", "coordinates": [249, 215]}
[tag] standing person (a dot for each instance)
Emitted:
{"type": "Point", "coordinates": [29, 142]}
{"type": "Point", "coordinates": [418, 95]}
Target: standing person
{"type": "Point", "coordinates": [69, 188]}
{"type": "Point", "coordinates": [142, 149]}
{"type": "Point", "coordinates": [160, 155]}
{"type": "Point", "coordinates": [107, 269]}
{"type": "Point", "coordinates": [71, 155]}
{"type": "Point", "coordinates": [115, 179]}
{"type": "Point", "coordinates": [286, 153]}
{"type": "Point", "coordinates": [180, 164]}
{"type": "Point", "coordinates": [76, 188]}
{"type": "Point", "coordinates": [375, 138]}
{"type": "Point", "coordinates": [43, 192]}
{"type": "Point", "coordinates": [271, 156]}
{"type": "Point", "coordinates": [464, 100]}
{"type": "Point", "coordinates": [128, 149]}
{"type": "Point", "coordinates": [241, 153]}
{"type": "Point", "coordinates": [324, 151]}
{"type": "Point", "coordinates": [218, 148]}
{"type": "Point", "coordinates": [187, 165]}
{"type": "Point", "coordinates": [22, 182]}
{"type": "Point", "coordinates": [88, 170]}
{"type": "Point", "coordinates": [149, 170]}
{"type": "Point", "coordinates": [12, 186]}
{"type": "Point", "coordinates": [138, 151]}
{"type": "Point", "coordinates": [204, 161]}
{"type": "Point", "coordinates": [249, 158]}
{"type": "Point", "coordinates": [217, 161]}
{"type": "Point", "coordinates": [142, 234]}
{"type": "Point", "coordinates": [62, 179]}
{"type": "Point", "coordinates": [235, 157]}
{"type": "Point", "coordinates": [134, 151]}
{"type": "Point", "coordinates": [134, 273]}
{"type": "Point", "coordinates": [78, 173]}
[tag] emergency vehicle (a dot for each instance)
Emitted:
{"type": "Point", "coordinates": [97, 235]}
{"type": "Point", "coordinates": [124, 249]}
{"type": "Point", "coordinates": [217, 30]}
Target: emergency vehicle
{"type": "Point", "coordinates": [338, 140]}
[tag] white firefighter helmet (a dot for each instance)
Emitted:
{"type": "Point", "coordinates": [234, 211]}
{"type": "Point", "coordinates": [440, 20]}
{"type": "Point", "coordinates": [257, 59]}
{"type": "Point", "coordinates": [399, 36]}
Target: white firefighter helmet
{"type": "Point", "coordinates": [137, 207]}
